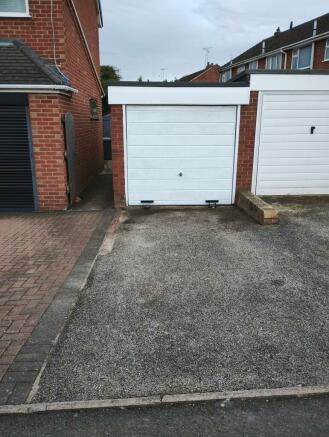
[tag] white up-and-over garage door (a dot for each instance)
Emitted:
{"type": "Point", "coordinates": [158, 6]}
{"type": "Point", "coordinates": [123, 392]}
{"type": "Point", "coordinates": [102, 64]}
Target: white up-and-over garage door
{"type": "Point", "coordinates": [293, 151]}
{"type": "Point", "coordinates": [180, 155]}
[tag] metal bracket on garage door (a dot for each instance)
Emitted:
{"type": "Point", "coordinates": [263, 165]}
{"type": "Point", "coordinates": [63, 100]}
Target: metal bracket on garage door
{"type": "Point", "coordinates": [212, 203]}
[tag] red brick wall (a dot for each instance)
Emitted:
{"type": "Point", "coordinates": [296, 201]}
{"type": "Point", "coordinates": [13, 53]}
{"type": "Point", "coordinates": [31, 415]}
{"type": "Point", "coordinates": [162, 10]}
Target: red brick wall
{"type": "Point", "coordinates": [118, 156]}
{"type": "Point", "coordinates": [48, 150]}
{"type": "Point", "coordinates": [319, 52]}
{"type": "Point", "coordinates": [37, 31]}
{"type": "Point", "coordinates": [89, 136]}
{"type": "Point", "coordinates": [247, 143]}
{"type": "Point", "coordinates": [261, 64]}
{"type": "Point", "coordinates": [72, 57]}
{"type": "Point", "coordinates": [211, 75]}
{"type": "Point", "coordinates": [87, 12]}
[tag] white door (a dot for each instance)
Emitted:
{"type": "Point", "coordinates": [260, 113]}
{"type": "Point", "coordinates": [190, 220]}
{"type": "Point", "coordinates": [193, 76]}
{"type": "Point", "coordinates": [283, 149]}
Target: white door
{"type": "Point", "coordinates": [180, 155]}
{"type": "Point", "coordinates": [293, 153]}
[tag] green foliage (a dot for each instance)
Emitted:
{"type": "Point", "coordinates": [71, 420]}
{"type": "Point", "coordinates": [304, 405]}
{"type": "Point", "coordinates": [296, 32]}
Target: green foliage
{"type": "Point", "coordinates": [108, 74]}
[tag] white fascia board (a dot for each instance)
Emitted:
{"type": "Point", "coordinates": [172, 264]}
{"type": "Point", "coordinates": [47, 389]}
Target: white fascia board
{"type": "Point", "coordinates": [139, 95]}
{"type": "Point", "coordinates": [289, 82]}
{"type": "Point", "coordinates": [37, 88]}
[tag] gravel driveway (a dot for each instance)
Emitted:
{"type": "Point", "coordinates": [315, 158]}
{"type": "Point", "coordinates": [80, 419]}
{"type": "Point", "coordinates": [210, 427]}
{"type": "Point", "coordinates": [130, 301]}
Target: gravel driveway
{"type": "Point", "coordinates": [200, 300]}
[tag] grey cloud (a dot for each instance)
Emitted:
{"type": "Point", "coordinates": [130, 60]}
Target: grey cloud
{"type": "Point", "coordinates": [142, 36]}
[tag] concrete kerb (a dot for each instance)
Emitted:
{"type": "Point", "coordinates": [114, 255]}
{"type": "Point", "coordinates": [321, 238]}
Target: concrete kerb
{"type": "Point", "coordinates": [149, 401]}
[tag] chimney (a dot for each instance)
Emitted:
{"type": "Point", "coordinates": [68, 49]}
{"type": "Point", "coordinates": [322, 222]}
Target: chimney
{"type": "Point", "coordinates": [315, 27]}
{"type": "Point", "coordinates": [263, 47]}
{"type": "Point", "coordinates": [291, 25]}
{"type": "Point", "coordinates": [277, 32]}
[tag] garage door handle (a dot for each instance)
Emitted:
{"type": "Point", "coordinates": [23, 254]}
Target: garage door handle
{"type": "Point", "coordinates": [312, 130]}
{"type": "Point", "coordinates": [180, 174]}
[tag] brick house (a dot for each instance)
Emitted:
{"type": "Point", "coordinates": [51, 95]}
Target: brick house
{"type": "Point", "coordinates": [208, 74]}
{"type": "Point", "coordinates": [301, 47]}
{"type": "Point", "coordinates": [50, 102]}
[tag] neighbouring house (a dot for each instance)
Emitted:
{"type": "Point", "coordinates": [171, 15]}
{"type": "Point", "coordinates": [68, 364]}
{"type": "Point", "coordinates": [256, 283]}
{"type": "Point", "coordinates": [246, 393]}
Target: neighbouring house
{"type": "Point", "coordinates": [198, 143]}
{"type": "Point", "coordinates": [50, 102]}
{"type": "Point", "coordinates": [302, 47]}
{"type": "Point", "coordinates": [208, 74]}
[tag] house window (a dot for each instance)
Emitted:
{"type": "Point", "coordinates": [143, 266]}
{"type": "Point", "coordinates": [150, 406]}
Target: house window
{"type": "Point", "coordinates": [226, 75]}
{"type": "Point", "coordinates": [301, 58]}
{"type": "Point", "coordinates": [253, 65]}
{"type": "Point", "coordinates": [14, 8]}
{"type": "Point", "coordinates": [93, 109]}
{"type": "Point", "coordinates": [273, 62]}
{"type": "Point", "coordinates": [241, 68]}
{"type": "Point", "coordinates": [326, 53]}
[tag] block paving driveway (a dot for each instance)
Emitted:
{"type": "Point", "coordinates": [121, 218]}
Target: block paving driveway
{"type": "Point", "coordinates": [37, 252]}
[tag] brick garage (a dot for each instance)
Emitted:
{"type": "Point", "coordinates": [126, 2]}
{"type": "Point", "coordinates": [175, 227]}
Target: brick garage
{"type": "Point", "coordinates": [50, 74]}
{"type": "Point", "coordinates": [186, 144]}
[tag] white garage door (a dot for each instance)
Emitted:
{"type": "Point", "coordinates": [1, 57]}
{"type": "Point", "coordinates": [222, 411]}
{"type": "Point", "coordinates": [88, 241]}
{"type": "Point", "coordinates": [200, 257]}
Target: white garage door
{"type": "Point", "coordinates": [180, 155]}
{"type": "Point", "coordinates": [293, 156]}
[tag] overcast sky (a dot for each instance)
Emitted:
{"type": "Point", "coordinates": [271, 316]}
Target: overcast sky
{"type": "Point", "coordinates": [141, 37]}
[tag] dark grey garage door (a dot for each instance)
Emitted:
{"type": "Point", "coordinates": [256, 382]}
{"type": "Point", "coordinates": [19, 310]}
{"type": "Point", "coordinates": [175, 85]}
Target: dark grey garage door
{"type": "Point", "coordinates": [16, 182]}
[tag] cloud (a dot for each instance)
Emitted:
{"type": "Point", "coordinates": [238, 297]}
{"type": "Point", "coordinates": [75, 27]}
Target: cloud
{"type": "Point", "coordinates": [141, 37]}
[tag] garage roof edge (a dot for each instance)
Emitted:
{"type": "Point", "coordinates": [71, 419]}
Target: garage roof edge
{"type": "Point", "coordinates": [178, 84]}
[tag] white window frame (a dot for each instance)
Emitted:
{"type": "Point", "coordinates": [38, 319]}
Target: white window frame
{"type": "Point", "coordinates": [241, 68]}
{"type": "Point", "coordinates": [253, 62]}
{"type": "Point", "coordinates": [17, 14]}
{"type": "Point", "coordinates": [269, 61]}
{"type": "Point", "coordinates": [229, 72]}
{"type": "Point", "coordinates": [296, 55]}
{"type": "Point", "coordinates": [326, 58]}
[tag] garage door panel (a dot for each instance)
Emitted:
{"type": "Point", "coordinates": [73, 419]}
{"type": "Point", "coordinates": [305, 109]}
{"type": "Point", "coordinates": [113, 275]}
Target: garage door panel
{"type": "Point", "coordinates": [181, 151]}
{"type": "Point", "coordinates": [291, 153]}
{"type": "Point", "coordinates": [294, 191]}
{"type": "Point", "coordinates": [295, 138]}
{"type": "Point", "coordinates": [180, 155]}
{"type": "Point", "coordinates": [301, 183]}
{"type": "Point", "coordinates": [296, 105]}
{"type": "Point", "coordinates": [293, 169]}
{"type": "Point", "coordinates": [302, 129]}
{"type": "Point", "coordinates": [293, 122]}
{"type": "Point", "coordinates": [165, 174]}
{"type": "Point", "coordinates": [296, 97]}
{"type": "Point", "coordinates": [293, 113]}
{"type": "Point", "coordinates": [300, 176]}
{"type": "Point", "coordinates": [282, 162]}
{"type": "Point", "coordinates": [182, 197]}
{"type": "Point", "coordinates": [180, 140]}
{"type": "Point", "coordinates": [181, 128]}
{"type": "Point", "coordinates": [181, 184]}
{"type": "Point", "coordinates": [179, 163]}
{"type": "Point", "coordinates": [291, 160]}
{"type": "Point", "coordinates": [185, 115]}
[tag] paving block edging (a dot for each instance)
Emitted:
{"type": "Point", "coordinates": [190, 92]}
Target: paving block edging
{"type": "Point", "coordinates": [19, 379]}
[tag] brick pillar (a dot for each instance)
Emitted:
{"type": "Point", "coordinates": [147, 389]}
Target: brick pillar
{"type": "Point", "coordinates": [48, 149]}
{"type": "Point", "coordinates": [118, 156]}
{"type": "Point", "coordinates": [247, 143]}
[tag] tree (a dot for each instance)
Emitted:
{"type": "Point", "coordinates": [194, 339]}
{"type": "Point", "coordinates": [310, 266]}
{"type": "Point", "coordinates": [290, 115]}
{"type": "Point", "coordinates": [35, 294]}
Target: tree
{"type": "Point", "coordinates": [108, 74]}
{"type": "Point", "coordinates": [140, 79]}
